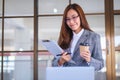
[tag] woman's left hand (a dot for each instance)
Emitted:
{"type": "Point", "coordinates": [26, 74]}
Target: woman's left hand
{"type": "Point", "coordinates": [86, 55]}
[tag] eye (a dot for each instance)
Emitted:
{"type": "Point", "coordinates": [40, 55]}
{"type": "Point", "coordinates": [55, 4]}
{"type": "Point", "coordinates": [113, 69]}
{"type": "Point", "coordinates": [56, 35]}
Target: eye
{"type": "Point", "coordinates": [67, 19]}
{"type": "Point", "coordinates": [74, 17]}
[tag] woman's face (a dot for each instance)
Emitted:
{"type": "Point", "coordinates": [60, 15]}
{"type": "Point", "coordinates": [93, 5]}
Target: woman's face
{"type": "Point", "coordinates": [73, 20]}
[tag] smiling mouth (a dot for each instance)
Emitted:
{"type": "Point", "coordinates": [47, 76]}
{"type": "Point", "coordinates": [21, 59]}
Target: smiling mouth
{"type": "Point", "coordinates": [73, 26]}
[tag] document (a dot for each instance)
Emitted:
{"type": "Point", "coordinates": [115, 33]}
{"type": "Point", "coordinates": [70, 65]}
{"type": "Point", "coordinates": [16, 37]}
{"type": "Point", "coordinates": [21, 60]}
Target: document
{"type": "Point", "coordinates": [52, 47]}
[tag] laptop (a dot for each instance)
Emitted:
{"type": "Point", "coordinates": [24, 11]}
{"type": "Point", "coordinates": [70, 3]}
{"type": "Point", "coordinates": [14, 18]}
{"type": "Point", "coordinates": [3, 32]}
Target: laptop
{"type": "Point", "coordinates": [70, 73]}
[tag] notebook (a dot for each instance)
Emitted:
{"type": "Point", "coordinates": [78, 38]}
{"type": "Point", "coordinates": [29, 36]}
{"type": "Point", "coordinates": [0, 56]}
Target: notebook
{"type": "Point", "coordinates": [70, 73]}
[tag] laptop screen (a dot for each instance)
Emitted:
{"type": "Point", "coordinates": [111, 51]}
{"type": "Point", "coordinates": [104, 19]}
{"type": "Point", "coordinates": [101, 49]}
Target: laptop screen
{"type": "Point", "coordinates": [70, 73]}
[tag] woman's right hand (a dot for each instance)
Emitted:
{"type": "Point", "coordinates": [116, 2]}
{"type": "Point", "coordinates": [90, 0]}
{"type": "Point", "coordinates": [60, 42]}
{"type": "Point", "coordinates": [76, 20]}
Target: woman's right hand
{"type": "Point", "coordinates": [64, 58]}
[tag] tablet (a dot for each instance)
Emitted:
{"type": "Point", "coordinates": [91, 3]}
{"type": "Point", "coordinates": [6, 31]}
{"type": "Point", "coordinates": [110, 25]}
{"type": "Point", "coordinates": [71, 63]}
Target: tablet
{"type": "Point", "coordinates": [52, 47]}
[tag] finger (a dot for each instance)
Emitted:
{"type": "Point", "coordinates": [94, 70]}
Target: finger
{"type": "Point", "coordinates": [85, 56]}
{"type": "Point", "coordinates": [64, 53]}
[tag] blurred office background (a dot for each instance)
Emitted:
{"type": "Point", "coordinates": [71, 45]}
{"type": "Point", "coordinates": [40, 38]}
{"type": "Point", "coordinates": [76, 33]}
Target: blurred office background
{"type": "Point", "coordinates": [23, 23]}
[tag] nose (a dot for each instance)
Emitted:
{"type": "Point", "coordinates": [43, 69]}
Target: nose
{"type": "Point", "coordinates": [71, 21]}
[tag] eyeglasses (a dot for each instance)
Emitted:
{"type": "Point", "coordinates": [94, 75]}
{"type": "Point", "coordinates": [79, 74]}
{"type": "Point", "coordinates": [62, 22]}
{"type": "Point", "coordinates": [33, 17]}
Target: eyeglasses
{"type": "Point", "coordinates": [74, 18]}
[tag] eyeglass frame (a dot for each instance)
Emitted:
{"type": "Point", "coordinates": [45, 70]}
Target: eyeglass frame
{"type": "Point", "coordinates": [73, 18]}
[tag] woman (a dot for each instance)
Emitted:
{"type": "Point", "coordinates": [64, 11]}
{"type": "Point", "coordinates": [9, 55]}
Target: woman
{"type": "Point", "coordinates": [74, 32]}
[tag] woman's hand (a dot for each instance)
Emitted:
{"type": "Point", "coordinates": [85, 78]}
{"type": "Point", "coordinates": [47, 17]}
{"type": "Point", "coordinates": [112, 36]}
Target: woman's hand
{"type": "Point", "coordinates": [64, 58]}
{"type": "Point", "coordinates": [86, 55]}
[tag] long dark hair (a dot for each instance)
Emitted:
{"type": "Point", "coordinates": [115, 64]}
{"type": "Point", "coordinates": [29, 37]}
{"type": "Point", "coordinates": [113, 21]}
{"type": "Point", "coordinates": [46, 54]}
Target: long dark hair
{"type": "Point", "coordinates": [66, 34]}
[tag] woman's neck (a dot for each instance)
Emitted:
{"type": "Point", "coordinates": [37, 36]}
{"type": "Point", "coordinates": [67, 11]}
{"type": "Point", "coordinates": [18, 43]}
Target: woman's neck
{"type": "Point", "coordinates": [78, 30]}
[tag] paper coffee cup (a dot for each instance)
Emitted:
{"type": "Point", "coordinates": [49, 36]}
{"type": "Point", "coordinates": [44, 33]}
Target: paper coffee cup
{"type": "Point", "coordinates": [84, 48]}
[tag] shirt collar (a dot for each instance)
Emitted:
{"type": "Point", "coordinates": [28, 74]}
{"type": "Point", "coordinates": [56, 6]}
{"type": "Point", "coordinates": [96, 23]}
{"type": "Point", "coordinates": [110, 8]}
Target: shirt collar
{"type": "Point", "coordinates": [78, 34]}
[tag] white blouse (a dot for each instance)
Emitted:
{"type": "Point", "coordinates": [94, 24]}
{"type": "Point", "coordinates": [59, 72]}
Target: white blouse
{"type": "Point", "coordinates": [75, 40]}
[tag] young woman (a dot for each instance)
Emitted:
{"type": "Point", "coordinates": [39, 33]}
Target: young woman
{"type": "Point", "coordinates": [74, 32]}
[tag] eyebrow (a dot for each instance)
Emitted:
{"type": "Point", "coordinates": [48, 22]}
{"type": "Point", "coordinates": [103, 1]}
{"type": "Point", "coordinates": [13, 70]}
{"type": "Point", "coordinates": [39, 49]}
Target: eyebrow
{"type": "Point", "coordinates": [73, 15]}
